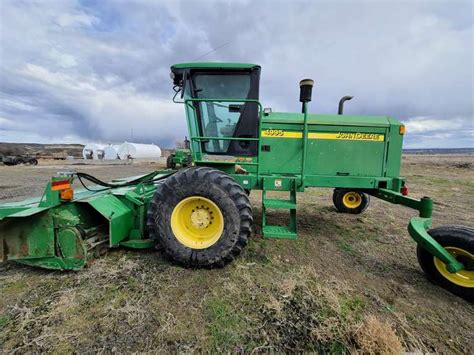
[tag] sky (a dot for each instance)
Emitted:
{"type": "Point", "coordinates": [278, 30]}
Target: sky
{"type": "Point", "coordinates": [98, 71]}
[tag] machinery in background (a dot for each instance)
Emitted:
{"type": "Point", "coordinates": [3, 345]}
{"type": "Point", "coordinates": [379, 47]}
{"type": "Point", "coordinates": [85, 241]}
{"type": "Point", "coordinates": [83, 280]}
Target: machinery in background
{"type": "Point", "coordinates": [11, 160]}
{"type": "Point", "coordinates": [181, 157]}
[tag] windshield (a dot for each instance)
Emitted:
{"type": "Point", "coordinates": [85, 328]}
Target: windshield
{"type": "Point", "coordinates": [222, 86]}
{"type": "Point", "coordinates": [225, 120]}
{"type": "Point", "coordinates": [219, 119]}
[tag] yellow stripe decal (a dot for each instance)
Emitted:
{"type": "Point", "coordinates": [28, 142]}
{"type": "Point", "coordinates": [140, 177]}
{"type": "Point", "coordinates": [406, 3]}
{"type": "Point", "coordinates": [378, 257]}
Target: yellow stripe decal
{"type": "Point", "coordinates": [349, 136]}
{"type": "Point", "coordinates": [346, 136]}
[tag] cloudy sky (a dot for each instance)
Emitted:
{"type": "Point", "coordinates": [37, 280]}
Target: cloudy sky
{"type": "Point", "coordinates": [97, 70]}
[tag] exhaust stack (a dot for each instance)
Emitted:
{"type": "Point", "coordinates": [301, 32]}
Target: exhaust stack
{"type": "Point", "coordinates": [340, 110]}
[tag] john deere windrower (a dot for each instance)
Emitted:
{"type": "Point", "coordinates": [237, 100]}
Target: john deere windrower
{"type": "Point", "coordinates": [201, 216]}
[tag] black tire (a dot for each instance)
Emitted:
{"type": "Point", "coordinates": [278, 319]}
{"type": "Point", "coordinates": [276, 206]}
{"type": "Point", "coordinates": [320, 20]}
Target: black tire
{"type": "Point", "coordinates": [449, 236]}
{"type": "Point", "coordinates": [219, 188]}
{"type": "Point", "coordinates": [189, 162]}
{"type": "Point", "coordinates": [169, 162]}
{"type": "Point", "coordinates": [362, 199]}
{"type": "Point", "coordinates": [34, 162]}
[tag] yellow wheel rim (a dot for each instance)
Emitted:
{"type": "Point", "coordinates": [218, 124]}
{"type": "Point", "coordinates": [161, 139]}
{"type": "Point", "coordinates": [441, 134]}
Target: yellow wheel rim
{"type": "Point", "coordinates": [197, 222]}
{"type": "Point", "coordinates": [351, 199]}
{"type": "Point", "coordinates": [462, 278]}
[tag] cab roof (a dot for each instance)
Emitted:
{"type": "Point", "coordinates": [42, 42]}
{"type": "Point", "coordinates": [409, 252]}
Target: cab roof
{"type": "Point", "coordinates": [214, 65]}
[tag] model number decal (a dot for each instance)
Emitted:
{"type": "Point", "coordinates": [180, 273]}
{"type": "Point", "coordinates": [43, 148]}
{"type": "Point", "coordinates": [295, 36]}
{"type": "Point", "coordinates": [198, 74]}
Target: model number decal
{"type": "Point", "coordinates": [273, 133]}
{"type": "Point", "coordinates": [279, 133]}
{"type": "Point", "coordinates": [346, 136]}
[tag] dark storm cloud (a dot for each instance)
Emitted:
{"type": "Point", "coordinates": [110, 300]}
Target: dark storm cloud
{"type": "Point", "coordinates": [99, 70]}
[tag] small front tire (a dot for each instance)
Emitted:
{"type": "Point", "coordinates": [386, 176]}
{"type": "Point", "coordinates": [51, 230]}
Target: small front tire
{"type": "Point", "coordinates": [459, 241]}
{"type": "Point", "coordinates": [350, 201]}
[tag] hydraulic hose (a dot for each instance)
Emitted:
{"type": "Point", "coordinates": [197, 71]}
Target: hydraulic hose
{"type": "Point", "coordinates": [93, 179]}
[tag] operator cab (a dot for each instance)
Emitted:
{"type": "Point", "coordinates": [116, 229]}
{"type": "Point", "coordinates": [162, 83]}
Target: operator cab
{"type": "Point", "coordinates": [215, 95]}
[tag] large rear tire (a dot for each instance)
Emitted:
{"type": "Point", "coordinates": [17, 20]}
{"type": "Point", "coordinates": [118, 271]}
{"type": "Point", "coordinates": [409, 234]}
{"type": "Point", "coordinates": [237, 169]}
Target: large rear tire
{"type": "Point", "coordinates": [201, 217]}
{"type": "Point", "coordinates": [459, 241]}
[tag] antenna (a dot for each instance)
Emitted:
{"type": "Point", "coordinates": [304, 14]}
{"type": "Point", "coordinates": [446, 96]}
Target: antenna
{"type": "Point", "coordinates": [212, 50]}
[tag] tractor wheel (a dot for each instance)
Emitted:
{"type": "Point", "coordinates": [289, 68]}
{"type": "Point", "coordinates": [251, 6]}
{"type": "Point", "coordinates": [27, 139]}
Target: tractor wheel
{"type": "Point", "coordinates": [169, 162]}
{"type": "Point", "coordinates": [189, 162]}
{"type": "Point", "coordinates": [350, 201]}
{"type": "Point", "coordinates": [459, 241]}
{"type": "Point", "coordinates": [201, 217]}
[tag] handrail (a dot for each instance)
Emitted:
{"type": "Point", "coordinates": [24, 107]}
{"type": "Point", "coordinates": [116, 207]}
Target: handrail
{"type": "Point", "coordinates": [188, 102]}
{"type": "Point", "coordinates": [201, 138]}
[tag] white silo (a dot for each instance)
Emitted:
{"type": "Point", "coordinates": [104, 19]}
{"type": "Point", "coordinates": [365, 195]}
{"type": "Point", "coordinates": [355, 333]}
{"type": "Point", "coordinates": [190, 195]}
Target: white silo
{"type": "Point", "coordinates": [111, 152]}
{"type": "Point", "coordinates": [93, 151]}
{"type": "Point", "coordinates": [139, 151]}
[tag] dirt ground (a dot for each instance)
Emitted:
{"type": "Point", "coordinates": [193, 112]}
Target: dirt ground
{"type": "Point", "coordinates": [350, 283]}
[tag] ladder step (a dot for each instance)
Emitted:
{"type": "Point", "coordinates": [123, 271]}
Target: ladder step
{"type": "Point", "coordinates": [278, 232]}
{"type": "Point", "coordinates": [275, 203]}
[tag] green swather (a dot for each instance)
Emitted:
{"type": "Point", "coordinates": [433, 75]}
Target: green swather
{"type": "Point", "coordinates": [200, 215]}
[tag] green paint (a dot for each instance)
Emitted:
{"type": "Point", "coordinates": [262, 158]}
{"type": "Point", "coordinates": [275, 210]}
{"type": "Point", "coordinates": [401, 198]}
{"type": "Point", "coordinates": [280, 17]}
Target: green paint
{"type": "Point", "coordinates": [181, 157]}
{"type": "Point", "coordinates": [295, 151]}
{"type": "Point", "coordinates": [276, 231]}
{"type": "Point", "coordinates": [138, 244]}
{"type": "Point", "coordinates": [417, 229]}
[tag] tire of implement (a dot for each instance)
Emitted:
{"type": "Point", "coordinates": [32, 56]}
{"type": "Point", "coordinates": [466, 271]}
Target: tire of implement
{"type": "Point", "coordinates": [450, 236]}
{"type": "Point", "coordinates": [213, 185]}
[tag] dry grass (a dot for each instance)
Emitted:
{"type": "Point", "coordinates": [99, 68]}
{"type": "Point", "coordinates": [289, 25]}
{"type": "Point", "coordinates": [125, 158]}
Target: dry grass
{"type": "Point", "coordinates": [349, 284]}
{"type": "Point", "coordinates": [377, 337]}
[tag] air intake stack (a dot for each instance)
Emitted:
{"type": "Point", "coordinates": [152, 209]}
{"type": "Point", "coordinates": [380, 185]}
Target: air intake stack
{"type": "Point", "coordinates": [306, 89]}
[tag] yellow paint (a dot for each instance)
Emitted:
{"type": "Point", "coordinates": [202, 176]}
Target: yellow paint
{"type": "Point", "coordinates": [347, 136]}
{"type": "Point", "coordinates": [278, 133]}
{"type": "Point", "coordinates": [351, 199]}
{"type": "Point", "coordinates": [461, 278]}
{"type": "Point", "coordinates": [197, 222]}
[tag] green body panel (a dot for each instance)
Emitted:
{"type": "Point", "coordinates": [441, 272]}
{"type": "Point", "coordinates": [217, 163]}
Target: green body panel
{"type": "Point", "coordinates": [355, 158]}
{"type": "Point", "coordinates": [118, 214]}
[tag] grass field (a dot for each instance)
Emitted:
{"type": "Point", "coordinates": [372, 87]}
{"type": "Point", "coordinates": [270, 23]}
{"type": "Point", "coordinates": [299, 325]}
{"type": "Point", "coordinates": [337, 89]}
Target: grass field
{"type": "Point", "coordinates": [350, 283]}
